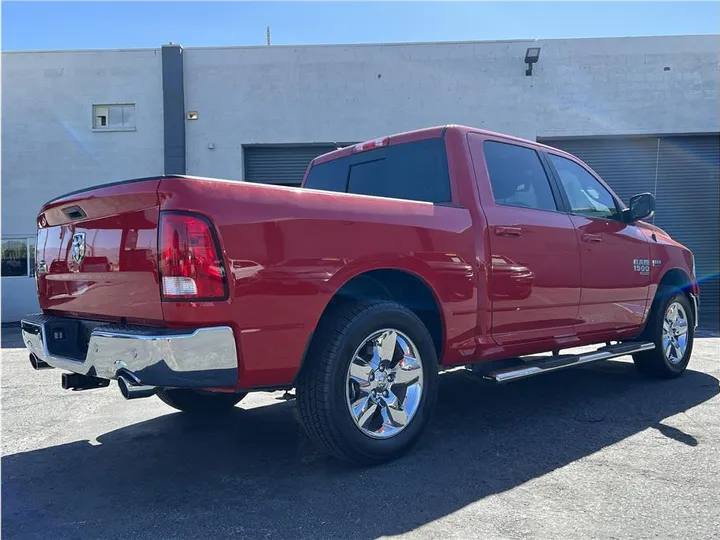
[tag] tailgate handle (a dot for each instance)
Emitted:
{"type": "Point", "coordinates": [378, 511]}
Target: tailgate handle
{"type": "Point", "coordinates": [508, 231]}
{"type": "Point", "coordinates": [74, 212]}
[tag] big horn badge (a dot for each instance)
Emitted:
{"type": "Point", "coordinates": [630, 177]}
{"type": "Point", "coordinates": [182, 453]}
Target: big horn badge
{"type": "Point", "coordinates": [78, 247]}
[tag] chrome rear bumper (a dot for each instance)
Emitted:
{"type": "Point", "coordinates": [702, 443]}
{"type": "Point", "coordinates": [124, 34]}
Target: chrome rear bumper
{"type": "Point", "coordinates": [195, 358]}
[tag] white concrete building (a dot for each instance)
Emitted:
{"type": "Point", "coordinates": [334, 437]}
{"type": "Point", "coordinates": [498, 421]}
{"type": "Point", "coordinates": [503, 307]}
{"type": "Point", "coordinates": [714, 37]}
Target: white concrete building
{"type": "Point", "coordinates": [642, 111]}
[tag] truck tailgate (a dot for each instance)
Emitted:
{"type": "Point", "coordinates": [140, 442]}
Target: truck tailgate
{"type": "Point", "coordinates": [96, 253]}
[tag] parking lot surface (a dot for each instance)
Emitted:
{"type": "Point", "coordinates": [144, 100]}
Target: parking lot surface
{"type": "Point", "coordinates": [592, 452]}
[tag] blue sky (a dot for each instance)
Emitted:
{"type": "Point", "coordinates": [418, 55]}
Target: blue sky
{"type": "Point", "coordinates": [85, 25]}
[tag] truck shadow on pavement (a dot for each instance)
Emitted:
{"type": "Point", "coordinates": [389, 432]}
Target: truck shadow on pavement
{"type": "Point", "coordinates": [253, 473]}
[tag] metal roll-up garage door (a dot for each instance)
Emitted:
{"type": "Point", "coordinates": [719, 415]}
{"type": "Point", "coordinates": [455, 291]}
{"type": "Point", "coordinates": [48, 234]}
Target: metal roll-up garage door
{"type": "Point", "coordinates": [683, 172]}
{"type": "Point", "coordinates": [284, 165]}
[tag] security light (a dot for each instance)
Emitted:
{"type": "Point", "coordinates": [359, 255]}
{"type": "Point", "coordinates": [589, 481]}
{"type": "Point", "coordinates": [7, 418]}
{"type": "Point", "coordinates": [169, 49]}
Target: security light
{"type": "Point", "coordinates": [531, 56]}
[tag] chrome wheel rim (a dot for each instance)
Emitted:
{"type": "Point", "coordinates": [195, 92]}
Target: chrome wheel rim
{"type": "Point", "coordinates": [675, 333]}
{"type": "Point", "coordinates": [384, 384]}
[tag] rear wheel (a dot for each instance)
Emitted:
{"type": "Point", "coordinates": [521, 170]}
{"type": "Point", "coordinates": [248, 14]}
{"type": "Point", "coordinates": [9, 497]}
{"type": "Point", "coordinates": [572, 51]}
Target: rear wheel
{"type": "Point", "coordinates": [193, 401]}
{"type": "Point", "coordinates": [370, 386]}
{"type": "Point", "coordinates": [671, 328]}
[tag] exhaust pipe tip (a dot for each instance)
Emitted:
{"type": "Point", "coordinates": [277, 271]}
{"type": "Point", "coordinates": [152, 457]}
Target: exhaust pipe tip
{"type": "Point", "coordinates": [132, 390]}
{"type": "Point", "coordinates": [123, 384]}
{"type": "Point", "coordinates": [37, 364]}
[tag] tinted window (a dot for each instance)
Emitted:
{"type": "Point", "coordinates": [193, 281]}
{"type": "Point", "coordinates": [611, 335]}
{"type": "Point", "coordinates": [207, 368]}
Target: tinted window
{"type": "Point", "coordinates": [587, 196]}
{"type": "Point", "coordinates": [517, 176]}
{"type": "Point", "coordinates": [14, 257]}
{"type": "Point", "coordinates": [328, 176]}
{"type": "Point", "coordinates": [413, 171]}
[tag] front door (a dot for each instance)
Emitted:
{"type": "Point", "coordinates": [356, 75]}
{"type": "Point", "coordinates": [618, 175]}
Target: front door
{"type": "Point", "coordinates": [535, 261]}
{"type": "Point", "coordinates": [615, 255]}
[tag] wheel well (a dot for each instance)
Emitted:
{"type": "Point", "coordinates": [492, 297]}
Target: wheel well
{"type": "Point", "coordinates": [676, 280]}
{"type": "Point", "coordinates": [402, 287]}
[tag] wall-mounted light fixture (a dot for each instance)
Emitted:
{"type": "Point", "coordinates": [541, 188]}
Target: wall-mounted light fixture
{"type": "Point", "coordinates": [532, 55]}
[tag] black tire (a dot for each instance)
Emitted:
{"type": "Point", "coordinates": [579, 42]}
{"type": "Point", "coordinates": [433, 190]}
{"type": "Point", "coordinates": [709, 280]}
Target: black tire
{"type": "Point", "coordinates": [192, 401]}
{"type": "Point", "coordinates": [321, 386]}
{"type": "Point", "coordinates": [655, 363]}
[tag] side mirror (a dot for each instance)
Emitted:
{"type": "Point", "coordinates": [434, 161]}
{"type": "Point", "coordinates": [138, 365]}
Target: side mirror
{"type": "Point", "coordinates": [641, 206]}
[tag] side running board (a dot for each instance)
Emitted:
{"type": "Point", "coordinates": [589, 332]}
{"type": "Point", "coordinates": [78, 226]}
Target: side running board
{"type": "Point", "coordinates": [547, 364]}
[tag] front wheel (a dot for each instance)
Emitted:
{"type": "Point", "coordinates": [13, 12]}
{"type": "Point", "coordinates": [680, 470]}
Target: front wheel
{"type": "Point", "coordinates": [370, 385]}
{"type": "Point", "coordinates": [671, 328]}
{"type": "Point", "coordinates": [192, 401]}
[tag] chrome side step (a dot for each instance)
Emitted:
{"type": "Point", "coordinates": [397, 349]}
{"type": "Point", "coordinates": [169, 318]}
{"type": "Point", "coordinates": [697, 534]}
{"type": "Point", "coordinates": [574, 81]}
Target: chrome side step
{"type": "Point", "coordinates": [554, 363]}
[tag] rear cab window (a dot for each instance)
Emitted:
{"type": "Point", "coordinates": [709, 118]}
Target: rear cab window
{"type": "Point", "coordinates": [328, 176]}
{"type": "Point", "coordinates": [415, 171]}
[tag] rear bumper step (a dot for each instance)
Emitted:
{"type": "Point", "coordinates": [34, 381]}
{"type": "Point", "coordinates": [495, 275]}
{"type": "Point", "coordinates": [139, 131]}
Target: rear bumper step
{"type": "Point", "coordinates": [557, 362]}
{"type": "Point", "coordinates": [153, 357]}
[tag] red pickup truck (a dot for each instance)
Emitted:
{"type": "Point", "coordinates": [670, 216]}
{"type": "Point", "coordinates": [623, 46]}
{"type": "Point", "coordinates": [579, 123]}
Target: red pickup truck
{"type": "Point", "coordinates": [398, 258]}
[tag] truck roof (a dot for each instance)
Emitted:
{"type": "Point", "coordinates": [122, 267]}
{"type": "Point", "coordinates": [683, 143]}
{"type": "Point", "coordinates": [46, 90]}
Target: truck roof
{"type": "Point", "coordinates": [426, 133]}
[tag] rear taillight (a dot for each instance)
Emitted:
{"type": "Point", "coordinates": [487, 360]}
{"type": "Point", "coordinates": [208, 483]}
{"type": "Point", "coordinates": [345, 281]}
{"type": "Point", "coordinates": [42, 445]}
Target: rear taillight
{"type": "Point", "coordinates": [190, 264]}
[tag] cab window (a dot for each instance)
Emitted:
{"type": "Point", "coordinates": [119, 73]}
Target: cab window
{"type": "Point", "coordinates": [517, 176]}
{"type": "Point", "coordinates": [587, 196]}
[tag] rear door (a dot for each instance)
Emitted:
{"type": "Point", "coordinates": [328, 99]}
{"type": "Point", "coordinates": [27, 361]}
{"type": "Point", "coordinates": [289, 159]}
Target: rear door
{"type": "Point", "coordinates": [615, 255]}
{"type": "Point", "coordinates": [535, 259]}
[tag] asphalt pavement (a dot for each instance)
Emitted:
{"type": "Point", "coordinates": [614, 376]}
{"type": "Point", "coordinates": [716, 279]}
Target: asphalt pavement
{"type": "Point", "coordinates": [591, 452]}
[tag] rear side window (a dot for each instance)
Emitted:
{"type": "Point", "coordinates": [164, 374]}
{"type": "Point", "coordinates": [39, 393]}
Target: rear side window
{"type": "Point", "coordinates": [517, 176]}
{"type": "Point", "coordinates": [415, 171]}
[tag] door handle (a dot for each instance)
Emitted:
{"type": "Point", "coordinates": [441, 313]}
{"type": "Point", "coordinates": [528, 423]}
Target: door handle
{"type": "Point", "coordinates": [591, 238]}
{"type": "Point", "coordinates": [508, 231]}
